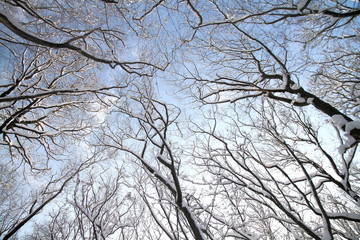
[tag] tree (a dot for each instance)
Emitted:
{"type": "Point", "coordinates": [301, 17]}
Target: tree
{"type": "Point", "coordinates": [22, 201]}
{"type": "Point", "coordinates": [39, 109]}
{"type": "Point", "coordinates": [253, 67]}
{"type": "Point", "coordinates": [148, 142]}
{"type": "Point", "coordinates": [266, 149]}
{"type": "Point", "coordinates": [243, 52]}
{"type": "Point", "coordinates": [278, 61]}
{"type": "Point", "coordinates": [96, 209]}
{"type": "Point", "coordinates": [255, 161]}
{"type": "Point", "coordinates": [42, 120]}
{"type": "Point", "coordinates": [55, 76]}
{"type": "Point", "coordinates": [93, 39]}
{"type": "Point", "coordinates": [50, 95]}
{"type": "Point", "coordinates": [257, 57]}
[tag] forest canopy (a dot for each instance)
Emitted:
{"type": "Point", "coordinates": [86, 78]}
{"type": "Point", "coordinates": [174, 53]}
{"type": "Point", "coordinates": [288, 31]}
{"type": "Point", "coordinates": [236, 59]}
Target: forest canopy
{"type": "Point", "coordinates": [180, 119]}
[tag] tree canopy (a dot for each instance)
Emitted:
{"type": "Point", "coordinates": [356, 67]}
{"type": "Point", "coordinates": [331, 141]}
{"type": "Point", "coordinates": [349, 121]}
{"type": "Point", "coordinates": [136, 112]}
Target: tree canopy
{"type": "Point", "coordinates": [191, 119]}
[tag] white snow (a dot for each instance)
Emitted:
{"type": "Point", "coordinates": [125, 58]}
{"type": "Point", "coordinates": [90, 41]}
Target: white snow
{"type": "Point", "coordinates": [347, 144]}
{"type": "Point", "coordinates": [295, 87]}
{"type": "Point", "coordinates": [351, 215]}
{"type": "Point", "coordinates": [265, 193]}
{"type": "Point", "coordinates": [327, 234]}
{"type": "Point", "coordinates": [352, 125]}
{"type": "Point", "coordinates": [300, 100]}
{"type": "Point", "coordinates": [161, 177]}
{"type": "Point", "coordinates": [339, 120]}
{"type": "Point", "coordinates": [199, 226]}
{"type": "Point", "coordinates": [341, 149]}
{"type": "Point", "coordinates": [350, 140]}
{"type": "Point", "coordinates": [285, 81]}
{"type": "Point", "coordinates": [310, 100]}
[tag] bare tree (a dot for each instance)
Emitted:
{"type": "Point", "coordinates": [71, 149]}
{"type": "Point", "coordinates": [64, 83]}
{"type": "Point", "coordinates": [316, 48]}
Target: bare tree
{"type": "Point", "coordinates": [47, 114]}
{"type": "Point", "coordinates": [279, 162]}
{"type": "Point", "coordinates": [271, 153]}
{"type": "Point", "coordinates": [264, 49]}
{"type": "Point", "coordinates": [80, 29]}
{"type": "Point", "coordinates": [51, 94]}
{"type": "Point", "coordinates": [97, 207]}
{"type": "Point", "coordinates": [250, 58]}
{"type": "Point", "coordinates": [41, 105]}
{"type": "Point", "coordinates": [22, 201]}
{"type": "Point", "coordinates": [148, 141]}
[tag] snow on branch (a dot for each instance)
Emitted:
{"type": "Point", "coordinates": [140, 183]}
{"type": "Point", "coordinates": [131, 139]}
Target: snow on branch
{"type": "Point", "coordinates": [340, 122]}
{"type": "Point", "coordinates": [130, 67]}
